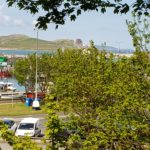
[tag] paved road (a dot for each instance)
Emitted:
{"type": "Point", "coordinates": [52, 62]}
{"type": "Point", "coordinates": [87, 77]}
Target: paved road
{"type": "Point", "coordinates": [5, 146]}
{"type": "Point", "coordinates": [17, 119]}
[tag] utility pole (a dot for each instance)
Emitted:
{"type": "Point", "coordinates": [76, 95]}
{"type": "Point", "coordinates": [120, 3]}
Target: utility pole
{"type": "Point", "coordinates": [37, 37]}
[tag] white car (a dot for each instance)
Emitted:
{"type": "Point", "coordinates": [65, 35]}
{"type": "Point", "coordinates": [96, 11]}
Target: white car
{"type": "Point", "coordinates": [29, 127]}
{"type": "Point", "coordinates": [12, 126]}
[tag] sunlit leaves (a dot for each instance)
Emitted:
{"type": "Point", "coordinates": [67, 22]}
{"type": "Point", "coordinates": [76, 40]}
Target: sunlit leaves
{"type": "Point", "coordinates": [17, 143]}
{"type": "Point", "coordinates": [139, 30]}
{"type": "Point", "coordinates": [107, 97]}
{"type": "Point", "coordinates": [67, 9]}
{"type": "Point", "coordinates": [99, 100]}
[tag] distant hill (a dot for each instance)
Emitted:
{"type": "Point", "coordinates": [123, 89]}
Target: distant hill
{"type": "Point", "coordinates": [114, 49]}
{"type": "Point", "coordinates": [23, 42]}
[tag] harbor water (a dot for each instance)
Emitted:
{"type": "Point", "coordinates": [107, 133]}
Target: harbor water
{"type": "Point", "coordinates": [24, 52]}
{"type": "Point", "coordinates": [20, 52]}
{"type": "Point", "coordinates": [15, 83]}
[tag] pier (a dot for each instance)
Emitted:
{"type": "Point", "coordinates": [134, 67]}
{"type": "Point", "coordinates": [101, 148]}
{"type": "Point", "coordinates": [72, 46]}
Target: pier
{"type": "Point", "coordinates": [12, 97]}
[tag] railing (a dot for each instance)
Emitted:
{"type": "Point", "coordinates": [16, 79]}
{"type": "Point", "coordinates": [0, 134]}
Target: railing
{"type": "Point", "coordinates": [9, 101]}
{"type": "Point", "coordinates": [8, 97]}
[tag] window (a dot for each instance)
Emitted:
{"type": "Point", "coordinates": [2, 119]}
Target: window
{"type": "Point", "coordinates": [26, 126]}
{"type": "Point", "coordinates": [9, 123]}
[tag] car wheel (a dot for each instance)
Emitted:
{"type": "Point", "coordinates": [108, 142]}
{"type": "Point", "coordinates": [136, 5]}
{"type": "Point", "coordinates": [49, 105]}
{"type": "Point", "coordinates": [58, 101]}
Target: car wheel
{"type": "Point", "coordinates": [39, 134]}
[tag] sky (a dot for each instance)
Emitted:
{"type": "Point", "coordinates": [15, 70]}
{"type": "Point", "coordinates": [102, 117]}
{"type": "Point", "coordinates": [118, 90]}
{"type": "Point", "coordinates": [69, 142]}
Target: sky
{"type": "Point", "coordinates": [95, 26]}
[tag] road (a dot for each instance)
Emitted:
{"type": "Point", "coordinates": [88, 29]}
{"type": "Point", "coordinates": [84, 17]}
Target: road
{"type": "Point", "coordinates": [17, 119]}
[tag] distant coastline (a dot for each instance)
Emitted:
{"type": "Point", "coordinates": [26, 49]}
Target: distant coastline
{"type": "Point", "coordinates": [23, 42]}
{"type": "Point", "coordinates": [16, 49]}
{"type": "Point", "coordinates": [8, 52]}
{"type": "Point", "coordinates": [2, 48]}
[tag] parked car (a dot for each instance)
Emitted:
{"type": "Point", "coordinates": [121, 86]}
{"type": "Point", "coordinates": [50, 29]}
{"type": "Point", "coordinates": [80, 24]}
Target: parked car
{"type": "Point", "coordinates": [29, 127]}
{"type": "Point", "coordinates": [12, 126]}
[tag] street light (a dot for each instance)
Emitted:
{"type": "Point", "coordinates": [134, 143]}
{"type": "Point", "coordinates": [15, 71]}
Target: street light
{"type": "Point", "coordinates": [12, 103]}
{"type": "Point", "coordinates": [36, 66]}
{"type": "Point", "coordinates": [12, 89]}
{"type": "Point", "coordinates": [36, 104]}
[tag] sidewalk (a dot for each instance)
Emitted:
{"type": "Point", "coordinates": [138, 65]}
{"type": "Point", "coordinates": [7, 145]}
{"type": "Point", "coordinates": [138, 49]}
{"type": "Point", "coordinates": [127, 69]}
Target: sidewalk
{"type": "Point", "coordinates": [5, 146]}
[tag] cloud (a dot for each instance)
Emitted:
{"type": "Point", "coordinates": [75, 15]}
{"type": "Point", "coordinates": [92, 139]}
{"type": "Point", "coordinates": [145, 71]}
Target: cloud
{"type": "Point", "coordinates": [1, 7]}
{"type": "Point", "coordinates": [4, 19]}
{"type": "Point", "coordinates": [18, 22]}
{"type": "Point", "coordinates": [8, 20]}
{"type": "Point", "coordinates": [34, 22]}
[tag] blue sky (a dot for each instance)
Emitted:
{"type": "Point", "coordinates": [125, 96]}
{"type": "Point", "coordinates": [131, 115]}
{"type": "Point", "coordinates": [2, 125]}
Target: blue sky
{"type": "Point", "coordinates": [95, 26]}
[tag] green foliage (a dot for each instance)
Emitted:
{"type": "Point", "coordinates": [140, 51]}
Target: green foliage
{"type": "Point", "coordinates": [57, 11]}
{"type": "Point", "coordinates": [16, 142]}
{"type": "Point", "coordinates": [139, 30]}
{"type": "Point", "coordinates": [24, 72]}
{"type": "Point", "coordinates": [106, 98]}
{"type": "Point", "coordinates": [55, 126]}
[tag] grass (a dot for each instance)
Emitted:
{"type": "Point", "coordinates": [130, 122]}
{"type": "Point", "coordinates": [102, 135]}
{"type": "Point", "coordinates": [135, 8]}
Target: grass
{"type": "Point", "coordinates": [18, 109]}
{"type": "Point", "coordinates": [23, 42]}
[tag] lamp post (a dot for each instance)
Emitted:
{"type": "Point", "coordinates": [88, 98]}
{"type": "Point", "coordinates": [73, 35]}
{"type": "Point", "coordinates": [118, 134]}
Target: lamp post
{"type": "Point", "coordinates": [12, 89]}
{"type": "Point", "coordinates": [36, 104]}
{"type": "Point", "coordinates": [12, 99]}
{"type": "Point", "coordinates": [37, 37]}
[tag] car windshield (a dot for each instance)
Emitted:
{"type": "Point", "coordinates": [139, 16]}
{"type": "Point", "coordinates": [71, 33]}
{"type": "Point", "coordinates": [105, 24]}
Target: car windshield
{"type": "Point", "coordinates": [26, 126]}
{"type": "Point", "coordinates": [8, 123]}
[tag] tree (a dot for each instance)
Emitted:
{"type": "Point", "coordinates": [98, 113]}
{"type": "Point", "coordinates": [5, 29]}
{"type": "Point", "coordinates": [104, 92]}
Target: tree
{"type": "Point", "coordinates": [57, 11]}
{"type": "Point", "coordinates": [24, 72]}
{"type": "Point", "coordinates": [21, 72]}
{"type": "Point", "coordinates": [106, 99]}
{"type": "Point", "coordinates": [139, 30]}
{"type": "Point", "coordinates": [45, 68]}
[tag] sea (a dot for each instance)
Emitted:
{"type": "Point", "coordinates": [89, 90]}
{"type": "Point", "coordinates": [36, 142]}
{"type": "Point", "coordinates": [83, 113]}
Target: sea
{"type": "Point", "coordinates": [20, 52]}
{"type": "Point", "coordinates": [25, 52]}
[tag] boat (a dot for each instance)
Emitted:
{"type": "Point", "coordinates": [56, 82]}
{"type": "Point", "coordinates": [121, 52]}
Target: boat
{"type": "Point", "coordinates": [8, 91]}
{"type": "Point", "coordinates": [4, 67]}
{"type": "Point", "coordinates": [11, 95]}
{"type": "Point", "coordinates": [7, 86]}
{"type": "Point", "coordinates": [5, 74]}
